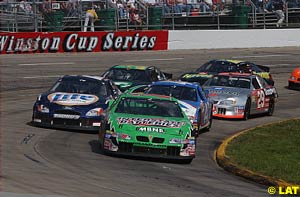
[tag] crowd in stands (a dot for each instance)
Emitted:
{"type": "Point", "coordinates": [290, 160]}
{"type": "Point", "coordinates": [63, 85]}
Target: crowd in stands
{"type": "Point", "coordinates": [134, 10]}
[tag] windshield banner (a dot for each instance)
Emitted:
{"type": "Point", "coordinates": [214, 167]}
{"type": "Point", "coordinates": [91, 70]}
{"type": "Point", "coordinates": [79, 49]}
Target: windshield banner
{"type": "Point", "coordinates": [53, 42]}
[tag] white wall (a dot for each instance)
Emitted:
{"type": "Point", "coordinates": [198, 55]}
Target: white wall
{"type": "Point", "coordinates": [213, 39]}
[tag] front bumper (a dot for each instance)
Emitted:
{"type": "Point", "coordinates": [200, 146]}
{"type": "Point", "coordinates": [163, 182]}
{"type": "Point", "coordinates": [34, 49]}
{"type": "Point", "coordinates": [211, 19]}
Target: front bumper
{"type": "Point", "coordinates": [138, 150]}
{"type": "Point", "coordinates": [87, 124]}
{"type": "Point", "coordinates": [294, 84]}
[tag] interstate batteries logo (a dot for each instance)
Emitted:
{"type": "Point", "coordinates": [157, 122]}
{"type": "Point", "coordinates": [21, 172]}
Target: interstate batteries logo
{"type": "Point", "coordinates": [289, 190]}
{"type": "Point", "coordinates": [150, 122]}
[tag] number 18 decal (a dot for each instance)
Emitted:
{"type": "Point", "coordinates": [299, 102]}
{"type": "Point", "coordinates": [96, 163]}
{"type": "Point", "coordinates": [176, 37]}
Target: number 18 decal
{"type": "Point", "coordinates": [260, 99]}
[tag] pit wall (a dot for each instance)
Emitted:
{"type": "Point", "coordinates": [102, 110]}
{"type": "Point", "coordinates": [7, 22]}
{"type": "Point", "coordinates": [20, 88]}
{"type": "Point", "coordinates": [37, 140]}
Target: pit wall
{"type": "Point", "coordinates": [217, 39]}
{"type": "Point", "coordinates": [60, 42]}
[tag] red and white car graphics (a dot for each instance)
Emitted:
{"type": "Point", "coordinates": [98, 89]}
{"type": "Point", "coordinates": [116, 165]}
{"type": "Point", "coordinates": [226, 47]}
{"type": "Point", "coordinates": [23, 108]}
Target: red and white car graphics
{"type": "Point", "coordinates": [238, 95]}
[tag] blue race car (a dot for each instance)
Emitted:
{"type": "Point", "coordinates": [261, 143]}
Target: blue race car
{"type": "Point", "coordinates": [74, 102]}
{"type": "Point", "coordinates": [192, 100]}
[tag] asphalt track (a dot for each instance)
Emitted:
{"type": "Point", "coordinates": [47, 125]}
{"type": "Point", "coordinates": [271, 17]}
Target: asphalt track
{"type": "Point", "coordinates": [47, 162]}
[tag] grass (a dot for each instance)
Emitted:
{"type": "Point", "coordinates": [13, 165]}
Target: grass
{"type": "Point", "coordinates": [272, 150]}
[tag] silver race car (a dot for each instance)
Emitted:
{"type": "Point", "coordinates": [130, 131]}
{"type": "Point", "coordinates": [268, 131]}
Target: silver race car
{"type": "Point", "coordinates": [237, 95]}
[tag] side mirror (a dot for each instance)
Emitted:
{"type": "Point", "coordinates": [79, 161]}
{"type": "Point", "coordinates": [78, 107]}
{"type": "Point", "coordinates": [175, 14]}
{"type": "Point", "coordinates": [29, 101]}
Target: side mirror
{"type": "Point", "coordinates": [110, 102]}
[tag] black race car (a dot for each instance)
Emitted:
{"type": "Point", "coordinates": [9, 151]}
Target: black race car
{"type": "Point", "coordinates": [213, 67]}
{"type": "Point", "coordinates": [74, 102]}
{"type": "Point", "coordinates": [127, 76]}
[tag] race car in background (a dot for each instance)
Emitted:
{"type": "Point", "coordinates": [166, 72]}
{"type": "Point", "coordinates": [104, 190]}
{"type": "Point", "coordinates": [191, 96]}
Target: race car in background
{"type": "Point", "coordinates": [294, 79]}
{"type": "Point", "coordinates": [126, 76]}
{"type": "Point", "coordinates": [191, 98]}
{"type": "Point", "coordinates": [148, 126]}
{"type": "Point", "coordinates": [74, 102]}
{"type": "Point", "coordinates": [237, 95]}
{"type": "Point", "coordinates": [213, 67]}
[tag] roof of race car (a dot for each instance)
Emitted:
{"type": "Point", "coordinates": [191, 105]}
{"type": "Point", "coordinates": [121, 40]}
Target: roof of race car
{"type": "Point", "coordinates": [237, 74]}
{"type": "Point", "coordinates": [232, 61]}
{"type": "Point", "coordinates": [176, 83]}
{"type": "Point", "coordinates": [148, 96]}
{"type": "Point", "coordinates": [133, 67]}
{"type": "Point", "coordinates": [83, 76]}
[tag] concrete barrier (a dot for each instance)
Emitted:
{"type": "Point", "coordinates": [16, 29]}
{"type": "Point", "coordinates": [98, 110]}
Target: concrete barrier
{"type": "Point", "coordinates": [216, 39]}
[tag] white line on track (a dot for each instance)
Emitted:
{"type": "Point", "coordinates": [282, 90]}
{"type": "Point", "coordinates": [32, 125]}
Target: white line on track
{"type": "Point", "coordinates": [274, 65]}
{"type": "Point", "coordinates": [262, 56]}
{"type": "Point", "coordinates": [149, 60]}
{"type": "Point", "coordinates": [47, 63]}
{"type": "Point", "coordinates": [38, 77]}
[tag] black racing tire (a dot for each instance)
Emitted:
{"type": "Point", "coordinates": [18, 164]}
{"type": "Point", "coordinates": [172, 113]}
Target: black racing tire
{"type": "Point", "coordinates": [210, 122]}
{"type": "Point", "coordinates": [187, 161]}
{"type": "Point", "coordinates": [290, 86]}
{"type": "Point", "coordinates": [247, 109]}
{"type": "Point", "coordinates": [271, 107]}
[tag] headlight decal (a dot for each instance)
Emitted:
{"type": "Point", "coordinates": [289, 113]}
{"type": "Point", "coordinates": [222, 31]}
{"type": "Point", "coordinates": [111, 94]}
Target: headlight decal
{"type": "Point", "coordinates": [95, 112]}
{"type": "Point", "coordinates": [43, 109]}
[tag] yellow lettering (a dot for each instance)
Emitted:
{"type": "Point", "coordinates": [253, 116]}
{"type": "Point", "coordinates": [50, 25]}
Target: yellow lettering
{"type": "Point", "coordinates": [280, 191]}
{"type": "Point", "coordinates": [288, 190]}
{"type": "Point", "coordinates": [295, 188]}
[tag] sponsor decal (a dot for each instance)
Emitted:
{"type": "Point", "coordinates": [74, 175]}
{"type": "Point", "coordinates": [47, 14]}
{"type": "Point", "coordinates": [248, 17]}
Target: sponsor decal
{"type": "Point", "coordinates": [150, 122]}
{"type": "Point", "coordinates": [218, 91]}
{"type": "Point", "coordinates": [66, 116]}
{"type": "Point", "coordinates": [204, 75]}
{"type": "Point", "coordinates": [53, 42]}
{"type": "Point", "coordinates": [150, 129]}
{"type": "Point", "coordinates": [37, 120]}
{"type": "Point", "coordinates": [71, 99]}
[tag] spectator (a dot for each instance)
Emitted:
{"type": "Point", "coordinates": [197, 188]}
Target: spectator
{"type": "Point", "coordinates": [90, 17]}
{"type": "Point", "coordinates": [130, 4]}
{"type": "Point", "coordinates": [279, 7]}
{"type": "Point", "coordinates": [135, 18]}
{"type": "Point", "coordinates": [178, 7]}
{"type": "Point", "coordinates": [47, 6]}
{"type": "Point", "coordinates": [206, 5]}
{"type": "Point", "coordinates": [26, 7]}
{"type": "Point", "coordinates": [120, 7]}
{"type": "Point", "coordinates": [168, 6]}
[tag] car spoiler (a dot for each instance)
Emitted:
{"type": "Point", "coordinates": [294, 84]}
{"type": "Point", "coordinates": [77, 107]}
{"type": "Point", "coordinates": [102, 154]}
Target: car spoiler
{"type": "Point", "coordinates": [264, 68]}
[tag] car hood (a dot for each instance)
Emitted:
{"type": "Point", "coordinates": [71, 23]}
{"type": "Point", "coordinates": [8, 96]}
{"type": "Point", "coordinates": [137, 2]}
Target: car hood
{"type": "Point", "coordinates": [218, 92]}
{"type": "Point", "coordinates": [72, 100]}
{"type": "Point", "coordinates": [146, 125]}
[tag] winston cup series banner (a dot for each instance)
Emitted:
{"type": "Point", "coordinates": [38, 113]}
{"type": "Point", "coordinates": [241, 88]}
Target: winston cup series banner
{"type": "Point", "coordinates": [54, 42]}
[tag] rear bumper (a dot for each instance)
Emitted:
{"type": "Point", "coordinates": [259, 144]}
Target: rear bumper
{"type": "Point", "coordinates": [234, 112]}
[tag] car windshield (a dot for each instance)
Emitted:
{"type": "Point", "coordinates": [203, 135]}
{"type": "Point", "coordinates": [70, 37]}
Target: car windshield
{"type": "Point", "coordinates": [150, 107]}
{"type": "Point", "coordinates": [229, 81]}
{"type": "Point", "coordinates": [179, 92]}
{"type": "Point", "coordinates": [218, 67]}
{"type": "Point", "coordinates": [82, 86]}
{"type": "Point", "coordinates": [122, 74]}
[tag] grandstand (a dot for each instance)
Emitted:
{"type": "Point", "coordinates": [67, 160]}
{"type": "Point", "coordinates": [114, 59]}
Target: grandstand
{"type": "Point", "coordinates": [47, 15]}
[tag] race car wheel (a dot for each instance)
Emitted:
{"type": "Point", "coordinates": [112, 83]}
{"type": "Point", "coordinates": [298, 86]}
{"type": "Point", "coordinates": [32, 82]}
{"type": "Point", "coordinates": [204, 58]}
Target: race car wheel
{"type": "Point", "coordinates": [247, 110]}
{"type": "Point", "coordinates": [210, 122]}
{"type": "Point", "coordinates": [271, 107]}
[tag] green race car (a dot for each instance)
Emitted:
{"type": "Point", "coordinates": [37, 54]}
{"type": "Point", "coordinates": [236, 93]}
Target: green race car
{"type": "Point", "coordinates": [148, 125]}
